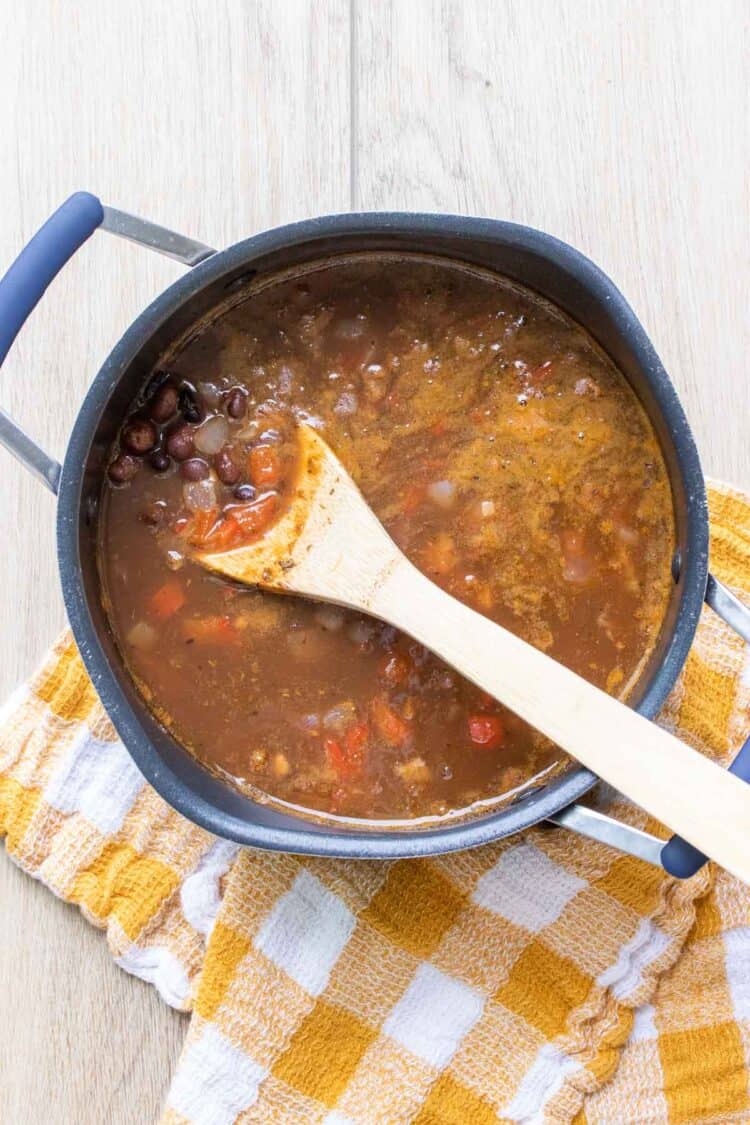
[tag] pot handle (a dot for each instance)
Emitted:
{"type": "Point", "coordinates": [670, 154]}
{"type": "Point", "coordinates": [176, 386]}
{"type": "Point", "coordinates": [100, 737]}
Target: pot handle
{"type": "Point", "coordinates": [41, 260]}
{"type": "Point", "coordinates": [38, 264]}
{"type": "Point", "coordinates": [22, 288]}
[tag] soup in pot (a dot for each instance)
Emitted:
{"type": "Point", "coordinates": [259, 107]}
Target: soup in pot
{"type": "Point", "coordinates": [503, 451]}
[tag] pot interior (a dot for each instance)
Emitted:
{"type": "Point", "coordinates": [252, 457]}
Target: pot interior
{"type": "Point", "coordinates": [532, 259]}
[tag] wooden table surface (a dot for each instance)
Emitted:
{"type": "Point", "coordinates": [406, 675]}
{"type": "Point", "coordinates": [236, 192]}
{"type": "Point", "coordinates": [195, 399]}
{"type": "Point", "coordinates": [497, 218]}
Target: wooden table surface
{"type": "Point", "coordinates": [618, 125]}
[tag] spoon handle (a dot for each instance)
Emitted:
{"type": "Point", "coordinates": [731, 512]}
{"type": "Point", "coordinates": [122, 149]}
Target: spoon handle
{"type": "Point", "coordinates": [674, 783]}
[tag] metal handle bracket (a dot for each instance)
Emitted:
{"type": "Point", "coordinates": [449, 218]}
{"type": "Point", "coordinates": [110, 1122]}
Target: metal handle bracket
{"type": "Point", "coordinates": [598, 826]}
{"type": "Point", "coordinates": [36, 266]}
{"type": "Point", "coordinates": [160, 239]}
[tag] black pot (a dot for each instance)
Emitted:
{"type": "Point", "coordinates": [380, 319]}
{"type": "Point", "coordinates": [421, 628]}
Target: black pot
{"type": "Point", "coordinates": [528, 256]}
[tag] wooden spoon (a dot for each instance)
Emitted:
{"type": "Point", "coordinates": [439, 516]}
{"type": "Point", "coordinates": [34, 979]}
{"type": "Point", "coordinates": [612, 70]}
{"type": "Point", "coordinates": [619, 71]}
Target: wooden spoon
{"type": "Point", "coordinates": [328, 545]}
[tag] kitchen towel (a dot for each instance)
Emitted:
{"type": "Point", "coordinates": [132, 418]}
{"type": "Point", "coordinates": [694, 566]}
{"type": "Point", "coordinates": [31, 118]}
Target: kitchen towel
{"type": "Point", "coordinates": [544, 978]}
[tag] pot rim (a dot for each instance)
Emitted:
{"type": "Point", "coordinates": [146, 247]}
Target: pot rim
{"type": "Point", "coordinates": [373, 842]}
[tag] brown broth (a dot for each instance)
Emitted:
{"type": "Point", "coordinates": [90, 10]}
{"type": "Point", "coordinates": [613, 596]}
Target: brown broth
{"type": "Point", "coordinates": [503, 451]}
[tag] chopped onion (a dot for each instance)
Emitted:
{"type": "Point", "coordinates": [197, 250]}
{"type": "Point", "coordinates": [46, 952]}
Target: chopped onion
{"type": "Point", "coordinates": [200, 495]}
{"type": "Point", "coordinates": [487, 509]}
{"type": "Point", "coordinates": [578, 568]}
{"type": "Point", "coordinates": [210, 393]}
{"type": "Point", "coordinates": [627, 534]}
{"type": "Point", "coordinates": [375, 382]}
{"type": "Point", "coordinates": [442, 493]}
{"type": "Point", "coordinates": [212, 435]}
{"type": "Point", "coordinates": [387, 635]}
{"type": "Point", "coordinates": [280, 766]}
{"type": "Point", "coordinates": [415, 771]}
{"type": "Point", "coordinates": [285, 380]}
{"type": "Point", "coordinates": [142, 636]}
{"type": "Point", "coordinates": [340, 716]}
{"type": "Point", "coordinates": [347, 404]}
{"type": "Point", "coordinates": [360, 632]}
{"type": "Point", "coordinates": [175, 560]}
{"type": "Point", "coordinates": [330, 617]}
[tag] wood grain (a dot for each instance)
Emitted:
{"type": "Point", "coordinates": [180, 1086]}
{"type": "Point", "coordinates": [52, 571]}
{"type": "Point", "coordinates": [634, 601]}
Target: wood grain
{"type": "Point", "coordinates": [217, 119]}
{"type": "Point", "coordinates": [620, 125]}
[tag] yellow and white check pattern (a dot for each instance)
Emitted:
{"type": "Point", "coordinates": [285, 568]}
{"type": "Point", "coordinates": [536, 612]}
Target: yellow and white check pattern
{"type": "Point", "coordinates": [542, 979]}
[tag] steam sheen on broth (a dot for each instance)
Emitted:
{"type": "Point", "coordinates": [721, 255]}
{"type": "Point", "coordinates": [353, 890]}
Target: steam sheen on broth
{"type": "Point", "coordinates": [503, 451]}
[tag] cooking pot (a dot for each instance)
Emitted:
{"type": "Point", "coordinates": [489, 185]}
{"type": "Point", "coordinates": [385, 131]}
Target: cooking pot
{"type": "Point", "coordinates": [537, 260]}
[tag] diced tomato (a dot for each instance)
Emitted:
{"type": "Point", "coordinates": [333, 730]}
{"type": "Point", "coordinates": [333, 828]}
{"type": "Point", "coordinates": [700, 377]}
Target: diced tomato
{"type": "Point", "coordinates": [338, 759]}
{"type": "Point", "coordinates": [355, 741]}
{"type": "Point", "coordinates": [388, 724]}
{"type": "Point", "coordinates": [394, 668]}
{"type": "Point", "coordinates": [239, 522]}
{"type": "Point", "coordinates": [347, 759]}
{"type": "Point", "coordinates": [212, 630]}
{"type": "Point", "coordinates": [181, 525]}
{"type": "Point", "coordinates": [223, 535]}
{"type": "Point", "coordinates": [254, 517]}
{"type": "Point", "coordinates": [486, 731]}
{"type": "Point", "coordinates": [334, 753]}
{"type": "Point", "coordinates": [202, 523]}
{"type": "Point", "coordinates": [264, 466]}
{"type": "Point", "coordinates": [167, 599]}
{"type": "Point", "coordinates": [578, 562]}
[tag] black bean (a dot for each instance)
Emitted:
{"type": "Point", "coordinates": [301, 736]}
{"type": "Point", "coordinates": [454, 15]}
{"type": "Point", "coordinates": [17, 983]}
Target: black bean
{"type": "Point", "coordinates": [179, 443]}
{"type": "Point", "coordinates": [160, 461]}
{"type": "Point", "coordinates": [236, 403]}
{"type": "Point", "coordinates": [164, 404]}
{"type": "Point", "coordinates": [139, 436]}
{"type": "Point", "coordinates": [195, 468]}
{"type": "Point", "coordinates": [226, 470]}
{"type": "Point", "coordinates": [123, 468]}
{"type": "Point", "coordinates": [190, 407]}
{"type": "Point", "coordinates": [244, 492]}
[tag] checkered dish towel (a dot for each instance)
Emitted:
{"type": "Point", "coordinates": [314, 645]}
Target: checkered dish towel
{"type": "Point", "coordinates": [544, 978]}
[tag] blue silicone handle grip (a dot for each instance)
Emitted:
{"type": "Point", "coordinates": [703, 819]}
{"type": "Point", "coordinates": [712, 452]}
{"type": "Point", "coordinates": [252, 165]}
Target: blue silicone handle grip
{"type": "Point", "coordinates": [42, 259]}
{"type": "Point", "coordinates": [680, 858]}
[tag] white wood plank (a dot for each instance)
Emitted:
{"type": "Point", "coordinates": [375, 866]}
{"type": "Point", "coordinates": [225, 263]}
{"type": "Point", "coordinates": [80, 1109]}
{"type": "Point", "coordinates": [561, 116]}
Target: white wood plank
{"type": "Point", "coordinates": [217, 119]}
{"type": "Point", "coordinates": [618, 125]}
